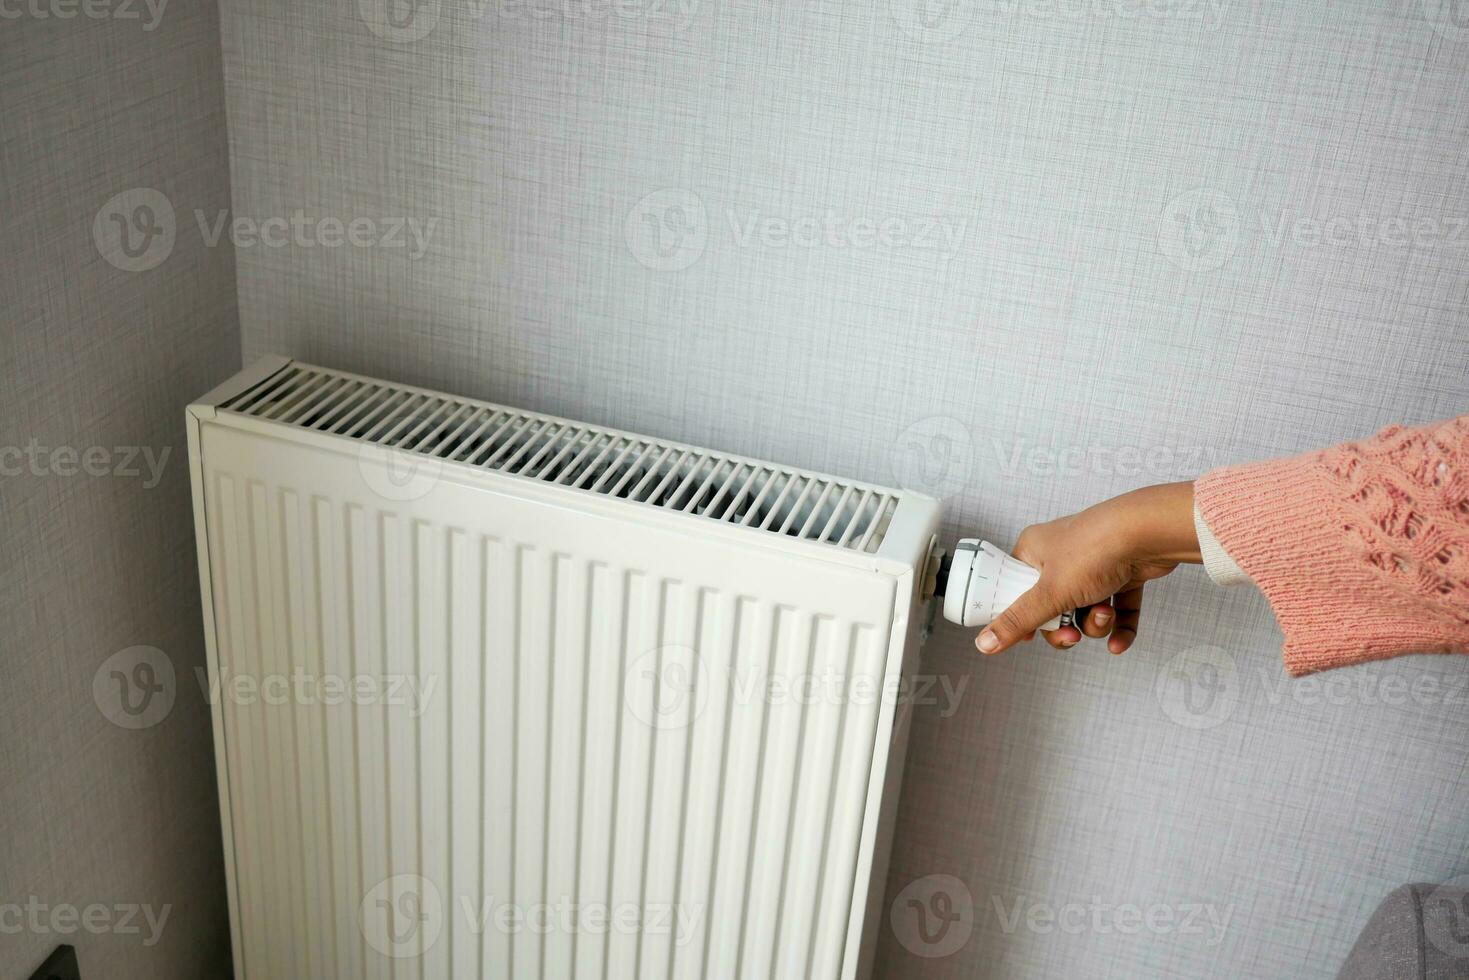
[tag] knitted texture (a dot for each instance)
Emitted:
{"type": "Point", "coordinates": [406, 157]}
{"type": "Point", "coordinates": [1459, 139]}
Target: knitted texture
{"type": "Point", "coordinates": [1361, 549]}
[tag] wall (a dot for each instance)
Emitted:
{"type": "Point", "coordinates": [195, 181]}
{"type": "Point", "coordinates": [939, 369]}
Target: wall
{"type": "Point", "coordinates": [1023, 255]}
{"type": "Point", "coordinates": [107, 813]}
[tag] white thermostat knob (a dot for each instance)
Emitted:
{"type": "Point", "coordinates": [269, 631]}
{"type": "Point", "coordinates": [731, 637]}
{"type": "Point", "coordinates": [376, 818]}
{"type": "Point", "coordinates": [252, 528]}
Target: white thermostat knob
{"type": "Point", "coordinates": [982, 583]}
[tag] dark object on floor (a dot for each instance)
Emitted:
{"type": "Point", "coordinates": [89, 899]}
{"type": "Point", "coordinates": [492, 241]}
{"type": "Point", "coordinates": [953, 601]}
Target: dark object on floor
{"type": "Point", "coordinates": [60, 965]}
{"type": "Point", "coordinates": [1419, 932]}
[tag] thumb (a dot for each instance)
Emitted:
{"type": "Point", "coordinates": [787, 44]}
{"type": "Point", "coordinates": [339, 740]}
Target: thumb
{"type": "Point", "coordinates": [1024, 616]}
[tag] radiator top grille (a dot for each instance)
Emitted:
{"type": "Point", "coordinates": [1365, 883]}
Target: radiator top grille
{"type": "Point", "coordinates": [684, 479]}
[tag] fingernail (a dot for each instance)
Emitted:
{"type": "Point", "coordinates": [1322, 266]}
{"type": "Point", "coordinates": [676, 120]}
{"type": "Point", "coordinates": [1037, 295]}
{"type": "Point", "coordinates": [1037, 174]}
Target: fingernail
{"type": "Point", "coordinates": [1103, 617]}
{"type": "Point", "coordinates": [988, 641]}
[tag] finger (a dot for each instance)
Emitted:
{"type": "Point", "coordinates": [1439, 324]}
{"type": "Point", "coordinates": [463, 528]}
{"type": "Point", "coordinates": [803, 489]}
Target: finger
{"type": "Point", "coordinates": [1099, 620]}
{"type": "Point", "coordinates": [1032, 610]}
{"type": "Point", "coordinates": [1063, 638]}
{"type": "Point", "coordinates": [1129, 610]}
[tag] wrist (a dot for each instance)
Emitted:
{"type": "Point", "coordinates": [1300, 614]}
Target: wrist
{"type": "Point", "coordinates": [1162, 523]}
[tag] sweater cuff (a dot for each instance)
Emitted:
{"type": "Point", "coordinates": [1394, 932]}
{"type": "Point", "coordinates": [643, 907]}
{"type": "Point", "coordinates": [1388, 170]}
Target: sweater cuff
{"type": "Point", "coordinates": [1277, 520]}
{"type": "Point", "coordinates": [1223, 569]}
{"type": "Point", "coordinates": [1319, 535]}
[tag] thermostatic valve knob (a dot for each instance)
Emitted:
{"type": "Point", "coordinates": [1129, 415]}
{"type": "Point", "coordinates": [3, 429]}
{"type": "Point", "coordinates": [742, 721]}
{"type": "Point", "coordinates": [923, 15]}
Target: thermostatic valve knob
{"type": "Point", "coordinates": [982, 583]}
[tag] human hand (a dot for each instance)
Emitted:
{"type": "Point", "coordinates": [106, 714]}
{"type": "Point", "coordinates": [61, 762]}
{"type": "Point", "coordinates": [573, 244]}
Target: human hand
{"type": "Point", "coordinates": [1098, 558]}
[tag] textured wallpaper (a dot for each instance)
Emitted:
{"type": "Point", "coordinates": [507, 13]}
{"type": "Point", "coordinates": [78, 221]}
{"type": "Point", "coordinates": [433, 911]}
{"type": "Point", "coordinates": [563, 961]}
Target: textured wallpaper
{"type": "Point", "coordinates": [1020, 254]}
{"type": "Point", "coordinates": [116, 313]}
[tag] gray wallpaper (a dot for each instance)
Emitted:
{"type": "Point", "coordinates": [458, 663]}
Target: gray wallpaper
{"type": "Point", "coordinates": [115, 314]}
{"type": "Point", "coordinates": [1020, 254]}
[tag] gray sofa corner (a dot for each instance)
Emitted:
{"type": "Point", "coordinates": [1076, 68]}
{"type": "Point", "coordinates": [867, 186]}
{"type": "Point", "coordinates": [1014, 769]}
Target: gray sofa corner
{"type": "Point", "coordinates": [1419, 932]}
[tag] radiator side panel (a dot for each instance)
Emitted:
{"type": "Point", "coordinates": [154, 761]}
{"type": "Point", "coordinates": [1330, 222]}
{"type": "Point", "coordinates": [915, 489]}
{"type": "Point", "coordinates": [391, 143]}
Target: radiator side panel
{"type": "Point", "coordinates": [473, 734]}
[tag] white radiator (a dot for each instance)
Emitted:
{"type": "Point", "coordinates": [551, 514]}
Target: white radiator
{"type": "Point", "coordinates": [500, 695]}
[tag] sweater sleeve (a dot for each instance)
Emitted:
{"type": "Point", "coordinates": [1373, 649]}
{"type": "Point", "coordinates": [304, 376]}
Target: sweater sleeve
{"type": "Point", "coordinates": [1361, 549]}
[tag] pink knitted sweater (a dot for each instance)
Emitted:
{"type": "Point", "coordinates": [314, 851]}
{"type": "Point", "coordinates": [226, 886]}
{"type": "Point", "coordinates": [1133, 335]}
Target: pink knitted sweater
{"type": "Point", "coordinates": [1362, 549]}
